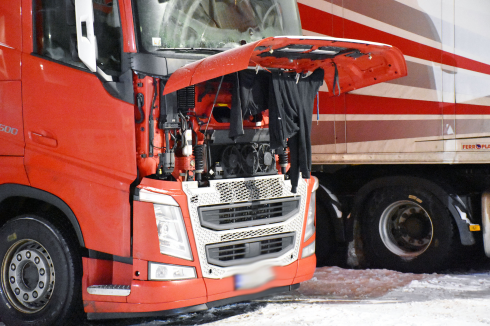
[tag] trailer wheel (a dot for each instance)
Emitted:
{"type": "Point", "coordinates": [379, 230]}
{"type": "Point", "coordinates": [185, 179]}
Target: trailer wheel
{"type": "Point", "coordinates": [408, 229]}
{"type": "Point", "coordinates": [326, 245]}
{"type": "Point", "coordinates": [40, 274]}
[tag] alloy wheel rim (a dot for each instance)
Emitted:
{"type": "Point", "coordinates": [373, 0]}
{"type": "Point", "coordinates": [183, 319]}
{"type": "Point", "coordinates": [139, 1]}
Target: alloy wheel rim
{"type": "Point", "coordinates": [28, 276]}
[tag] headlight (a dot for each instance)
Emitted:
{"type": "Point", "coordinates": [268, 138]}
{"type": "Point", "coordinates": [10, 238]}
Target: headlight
{"type": "Point", "coordinates": [308, 250]}
{"type": "Point", "coordinates": [166, 272]}
{"type": "Point", "coordinates": [310, 220]}
{"type": "Point", "coordinates": [171, 232]}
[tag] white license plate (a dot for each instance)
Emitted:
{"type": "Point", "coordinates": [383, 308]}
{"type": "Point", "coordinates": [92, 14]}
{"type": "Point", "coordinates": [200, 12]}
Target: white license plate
{"type": "Point", "coordinates": [254, 279]}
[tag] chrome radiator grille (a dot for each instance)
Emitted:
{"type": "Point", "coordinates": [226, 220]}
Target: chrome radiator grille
{"type": "Point", "coordinates": [240, 191]}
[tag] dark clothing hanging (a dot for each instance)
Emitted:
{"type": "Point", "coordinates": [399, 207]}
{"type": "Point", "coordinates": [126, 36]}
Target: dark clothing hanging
{"type": "Point", "coordinates": [290, 105]}
{"type": "Point", "coordinates": [290, 113]}
{"type": "Point", "coordinates": [236, 115]}
{"type": "Point", "coordinates": [249, 97]}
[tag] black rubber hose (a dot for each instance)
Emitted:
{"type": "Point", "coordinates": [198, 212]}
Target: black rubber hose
{"type": "Point", "coordinates": [150, 118]}
{"type": "Point", "coordinates": [199, 160]}
{"type": "Point", "coordinates": [140, 102]}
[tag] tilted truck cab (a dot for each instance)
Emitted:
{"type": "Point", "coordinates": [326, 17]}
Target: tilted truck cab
{"type": "Point", "coordinates": [155, 155]}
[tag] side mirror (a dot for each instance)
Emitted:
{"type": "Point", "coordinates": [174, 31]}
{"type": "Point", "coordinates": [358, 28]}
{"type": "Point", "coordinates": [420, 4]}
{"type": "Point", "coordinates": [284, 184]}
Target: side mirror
{"type": "Point", "coordinates": [87, 43]}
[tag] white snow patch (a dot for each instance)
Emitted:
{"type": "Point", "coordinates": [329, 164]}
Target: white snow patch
{"type": "Point", "coordinates": [340, 297]}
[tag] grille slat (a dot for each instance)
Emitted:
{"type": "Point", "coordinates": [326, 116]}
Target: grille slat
{"type": "Point", "coordinates": [232, 216]}
{"type": "Point", "coordinates": [247, 251]}
{"type": "Point", "coordinates": [271, 246]}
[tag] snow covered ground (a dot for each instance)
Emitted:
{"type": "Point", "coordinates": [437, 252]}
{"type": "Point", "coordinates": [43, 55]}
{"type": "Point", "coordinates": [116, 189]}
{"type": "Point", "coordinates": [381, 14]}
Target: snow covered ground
{"type": "Point", "coordinates": [377, 297]}
{"type": "Point", "coordinates": [339, 297]}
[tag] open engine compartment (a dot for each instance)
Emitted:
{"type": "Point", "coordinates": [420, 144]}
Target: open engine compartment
{"type": "Point", "coordinates": [246, 111]}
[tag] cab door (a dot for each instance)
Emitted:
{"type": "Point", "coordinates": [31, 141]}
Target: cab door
{"type": "Point", "coordinates": [80, 142]}
{"type": "Point", "coordinates": [11, 131]}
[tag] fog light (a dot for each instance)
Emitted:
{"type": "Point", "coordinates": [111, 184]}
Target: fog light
{"type": "Point", "coordinates": [166, 272]}
{"type": "Point", "coordinates": [308, 250]}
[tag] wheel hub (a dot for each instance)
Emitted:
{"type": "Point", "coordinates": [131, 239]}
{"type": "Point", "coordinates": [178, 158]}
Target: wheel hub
{"type": "Point", "coordinates": [416, 227]}
{"type": "Point", "coordinates": [406, 229]}
{"type": "Point", "coordinates": [28, 276]}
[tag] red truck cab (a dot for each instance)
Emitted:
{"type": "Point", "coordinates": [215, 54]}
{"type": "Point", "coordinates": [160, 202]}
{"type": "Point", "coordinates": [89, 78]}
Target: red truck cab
{"type": "Point", "coordinates": [155, 155]}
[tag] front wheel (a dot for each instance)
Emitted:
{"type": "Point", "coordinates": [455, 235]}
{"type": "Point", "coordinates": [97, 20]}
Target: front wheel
{"type": "Point", "coordinates": [408, 229]}
{"type": "Point", "coordinates": [40, 273]}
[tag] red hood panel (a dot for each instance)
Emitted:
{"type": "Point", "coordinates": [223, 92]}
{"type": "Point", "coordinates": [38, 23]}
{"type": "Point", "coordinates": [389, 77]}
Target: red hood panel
{"type": "Point", "coordinates": [359, 63]}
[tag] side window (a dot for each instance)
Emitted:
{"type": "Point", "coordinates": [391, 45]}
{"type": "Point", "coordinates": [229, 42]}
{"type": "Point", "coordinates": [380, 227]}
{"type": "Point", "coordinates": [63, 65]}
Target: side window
{"type": "Point", "coordinates": [56, 35]}
{"type": "Point", "coordinates": [107, 28]}
{"type": "Point", "coordinates": [55, 30]}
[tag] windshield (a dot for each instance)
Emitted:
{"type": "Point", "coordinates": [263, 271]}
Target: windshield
{"type": "Point", "coordinates": [164, 24]}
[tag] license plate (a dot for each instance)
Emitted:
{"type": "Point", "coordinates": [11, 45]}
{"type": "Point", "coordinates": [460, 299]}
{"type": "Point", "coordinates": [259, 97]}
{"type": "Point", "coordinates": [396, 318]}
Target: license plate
{"type": "Point", "coordinates": [254, 279]}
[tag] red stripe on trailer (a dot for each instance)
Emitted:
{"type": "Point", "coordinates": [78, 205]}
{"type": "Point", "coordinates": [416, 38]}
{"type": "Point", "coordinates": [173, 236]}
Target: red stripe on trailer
{"type": "Point", "coordinates": [363, 104]}
{"type": "Point", "coordinates": [315, 20]}
{"type": "Point", "coordinates": [462, 108]}
{"type": "Point", "coordinates": [322, 22]}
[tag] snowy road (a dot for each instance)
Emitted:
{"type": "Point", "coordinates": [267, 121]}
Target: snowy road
{"type": "Point", "coordinates": [341, 297]}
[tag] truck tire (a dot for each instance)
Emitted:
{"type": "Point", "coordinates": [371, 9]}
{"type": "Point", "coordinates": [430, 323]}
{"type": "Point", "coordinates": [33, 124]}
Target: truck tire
{"type": "Point", "coordinates": [408, 229]}
{"type": "Point", "coordinates": [40, 274]}
{"type": "Point", "coordinates": [326, 245]}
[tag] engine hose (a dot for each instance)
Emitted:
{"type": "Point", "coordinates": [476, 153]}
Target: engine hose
{"type": "Point", "coordinates": [140, 102]}
{"type": "Point", "coordinates": [151, 130]}
{"type": "Point", "coordinates": [199, 159]}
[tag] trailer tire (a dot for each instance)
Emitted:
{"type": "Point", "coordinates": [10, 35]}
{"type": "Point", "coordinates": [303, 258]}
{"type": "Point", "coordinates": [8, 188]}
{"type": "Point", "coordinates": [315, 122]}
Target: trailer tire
{"type": "Point", "coordinates": [408, 229]}
{"type": "Point", "coordinates": [326, 245]}
{"type": "Point", "coordinates": [40, 274]}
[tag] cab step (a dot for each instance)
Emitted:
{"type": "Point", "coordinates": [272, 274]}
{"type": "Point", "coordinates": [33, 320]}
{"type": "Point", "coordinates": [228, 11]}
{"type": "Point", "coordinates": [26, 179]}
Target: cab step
{"type": "Point", "coordinates": [117, 290]}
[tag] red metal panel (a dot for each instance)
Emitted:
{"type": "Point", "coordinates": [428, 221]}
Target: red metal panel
{"type": "Point", "coordinates": [101, 307]}
{"type": "Point", "coordinates": [88, 158]}
{"type": "Point", "coordinates": [10, 24]}
{"type": "Point", "coordinates": [11, 124]}
{"type": "Point", "coordinates": [166, 291]}
{"type": "Point", "coordinates": [306, 269]}
{"type": "Point", "coordinates": [140, 269]}
{"type": "Point", "coordinates": [9, 63]}
{"type": "Point", "coordinates": [97, 272]}
{"type": "Point", "coordinates": [127, 24]}
{"type": "Point", "coordinates": [10, 40]}
{"type": "Point", "coordinates": [384, 63]}
{"type": "Point", "coordinates": [12, 170]}
{"type": "Point", "coordinates": [122, 274]}
{"type": "Point", "coordinates": [27, 44]}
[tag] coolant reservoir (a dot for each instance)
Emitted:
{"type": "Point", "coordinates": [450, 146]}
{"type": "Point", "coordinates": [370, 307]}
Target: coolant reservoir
{"type": "Point", "coordinates": [187, 141]}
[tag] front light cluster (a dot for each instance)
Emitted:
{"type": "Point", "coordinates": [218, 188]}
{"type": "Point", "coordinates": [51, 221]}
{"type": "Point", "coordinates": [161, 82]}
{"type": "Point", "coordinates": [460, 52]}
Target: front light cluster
{"type": "Point", "coordinates": [171, 232]}
{"type": "Point", "coordinates": [310, 220]}
{"type": "Point", "coordinates": [308, 250]}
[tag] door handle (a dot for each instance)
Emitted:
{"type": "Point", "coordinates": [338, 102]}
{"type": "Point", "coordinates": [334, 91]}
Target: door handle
{"type": "Point", "coordinates": [43, 140]}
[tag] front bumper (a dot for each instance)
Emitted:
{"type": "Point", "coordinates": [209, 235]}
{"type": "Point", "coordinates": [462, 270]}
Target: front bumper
{"type": "Point", "coordinates": [213, 284]}
{"type": "Point", "coordinates": [194, 308]}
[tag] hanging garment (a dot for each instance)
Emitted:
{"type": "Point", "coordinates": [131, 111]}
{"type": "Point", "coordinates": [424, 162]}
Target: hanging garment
{"type": "Point", "coordinates": [290, 111]}
{"type": "Point", "coordinates": [290, 103]}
